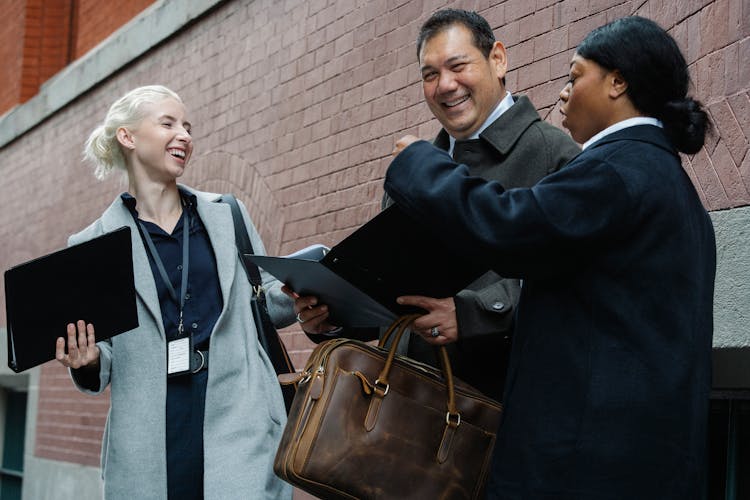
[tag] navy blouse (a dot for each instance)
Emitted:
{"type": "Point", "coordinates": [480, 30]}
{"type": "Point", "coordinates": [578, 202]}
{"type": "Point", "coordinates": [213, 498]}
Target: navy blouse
{"type": "Point", "coordinates": [186, 394]}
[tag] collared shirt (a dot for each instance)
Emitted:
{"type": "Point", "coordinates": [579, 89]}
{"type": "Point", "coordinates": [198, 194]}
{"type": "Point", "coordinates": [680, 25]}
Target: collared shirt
{"type": "Point", "coordinates": [503, 106]}
{"type": "Point", "coordinates": [630, 122]}
{"type": "Point", "coordinates": [185, 394]}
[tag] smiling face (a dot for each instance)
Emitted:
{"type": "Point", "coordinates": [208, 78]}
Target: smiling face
{"type": "Point", "coordinates": [160, 146]}
{"type": "Point", "coordinates": [461, 86]}
{"type": "Point", "coordinates": [588, 99]}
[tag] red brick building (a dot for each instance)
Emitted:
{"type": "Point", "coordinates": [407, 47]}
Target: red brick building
{"type": "Point", "coordinates": [296, 105]}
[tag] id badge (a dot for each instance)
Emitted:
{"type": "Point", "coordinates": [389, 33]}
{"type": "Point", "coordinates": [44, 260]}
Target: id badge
{"type": "Point", "coordinates": [178, 356]}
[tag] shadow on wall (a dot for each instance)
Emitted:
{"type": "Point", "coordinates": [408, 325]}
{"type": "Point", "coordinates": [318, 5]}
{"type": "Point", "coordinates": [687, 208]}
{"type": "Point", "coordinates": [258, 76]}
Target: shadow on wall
{"type": "Point", "coordinates": [221, 172]}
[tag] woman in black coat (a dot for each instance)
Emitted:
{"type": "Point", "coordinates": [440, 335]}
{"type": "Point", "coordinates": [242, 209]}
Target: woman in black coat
{"type": "Point", "coordinates": [609, 378]}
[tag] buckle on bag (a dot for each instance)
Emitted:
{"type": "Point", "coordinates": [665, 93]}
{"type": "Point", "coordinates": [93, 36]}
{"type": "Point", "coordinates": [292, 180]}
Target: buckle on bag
{"type": "Point", "coordinates": [383, 387]}
{"type": "Point", "coordinates": [453, 423]}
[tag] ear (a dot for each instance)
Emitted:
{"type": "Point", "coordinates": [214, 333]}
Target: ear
{"type": "Point", "coordinates": [499, 60]}
{"type": "Point", "coordinates": [125, 138]}
{"type": "Point", "coordinates": [617, 84]}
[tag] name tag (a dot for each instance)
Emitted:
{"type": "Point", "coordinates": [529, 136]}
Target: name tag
{"type": "Point", "coordinates": [178, 356]}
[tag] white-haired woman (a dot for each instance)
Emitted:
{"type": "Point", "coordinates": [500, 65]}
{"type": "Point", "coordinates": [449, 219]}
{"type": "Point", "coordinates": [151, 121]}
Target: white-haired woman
{"type": "Point", "coordinates": [210, 431]}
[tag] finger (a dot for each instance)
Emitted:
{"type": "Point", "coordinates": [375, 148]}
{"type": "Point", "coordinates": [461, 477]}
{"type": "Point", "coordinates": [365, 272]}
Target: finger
{"type": "Point", "coordinates": [91, 334]}
{"type": "Point", "coordinates": [439, 340]}
{"type": "Point", "coordinates": [72, 343]}
{"type": "Point", "coordinates": [82, 336]}
{"type": "Point", "coordinates": [291, 293]}
{"type": "Point", "coordinates": [60, 351]}
{"type": "Point", "coordinates": [306, 302]}
{"type": "Point", "coordinates": [317, 324]}
{"type": "Point", "coordinates": [308, 315]}
{"type": "Point", "coordinates": [417, 300]}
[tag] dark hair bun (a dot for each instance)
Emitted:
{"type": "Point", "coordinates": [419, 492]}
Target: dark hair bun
{"type": "Point", "coordinates": [685, 122]}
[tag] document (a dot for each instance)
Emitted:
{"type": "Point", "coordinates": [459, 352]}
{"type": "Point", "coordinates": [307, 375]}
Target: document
{"type": "Point", "coordinates": [361, 277]}
{"type": "Point", "coordinates": [92, 281]}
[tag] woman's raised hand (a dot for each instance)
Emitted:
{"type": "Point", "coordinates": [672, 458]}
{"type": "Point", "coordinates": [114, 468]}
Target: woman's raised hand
{"type": "Point", "coordinates": [82, 348]}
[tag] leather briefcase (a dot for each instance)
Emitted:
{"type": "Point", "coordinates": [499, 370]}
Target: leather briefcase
{"type": "Point", "coordinates": [366, 423]}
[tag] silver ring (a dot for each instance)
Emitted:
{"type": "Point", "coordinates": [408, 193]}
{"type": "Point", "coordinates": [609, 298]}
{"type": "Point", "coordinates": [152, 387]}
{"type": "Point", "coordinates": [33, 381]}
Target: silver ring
{"type": "Point", "coordinates": [434, 332]}
{"type": "Point", "coordinates": [299, 320]}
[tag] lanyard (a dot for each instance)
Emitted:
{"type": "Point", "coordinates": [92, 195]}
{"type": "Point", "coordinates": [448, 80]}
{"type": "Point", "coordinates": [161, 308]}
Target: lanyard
{"type": "Point", "coordinates": [185, 262]}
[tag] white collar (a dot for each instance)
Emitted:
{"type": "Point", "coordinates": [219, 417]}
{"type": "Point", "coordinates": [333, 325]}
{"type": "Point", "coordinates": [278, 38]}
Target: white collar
{"type": "Point", "coordinates": [630, 122]}
{"type": "Point", "coordinates": [503, 106]}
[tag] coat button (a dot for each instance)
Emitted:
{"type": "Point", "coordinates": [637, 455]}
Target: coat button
{"type": "Point", "coordinates": [498, 306]}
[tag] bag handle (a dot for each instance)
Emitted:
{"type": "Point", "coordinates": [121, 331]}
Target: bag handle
{"type": "Point", "coordinates": [381, 386]}
{"type": "Point", "coordinates": [402, 324]}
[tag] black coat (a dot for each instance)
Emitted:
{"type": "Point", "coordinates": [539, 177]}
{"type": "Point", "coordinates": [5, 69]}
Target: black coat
{"type": "Point", "coordinates": [517, 149]}
{"type": "Point", "coordinates": [609, 378]}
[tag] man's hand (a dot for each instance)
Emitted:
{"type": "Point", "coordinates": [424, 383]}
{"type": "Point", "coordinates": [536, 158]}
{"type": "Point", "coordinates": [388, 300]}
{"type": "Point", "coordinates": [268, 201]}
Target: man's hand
{"type": "Point", "coordinates": [82, 351]}
{"type": "Point", "coordinates": [403, 143]}
{"type": "Point", "coordinates": [439, 326]}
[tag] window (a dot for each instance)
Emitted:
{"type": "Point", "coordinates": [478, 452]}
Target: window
{"type": "Point", "coordinates": [11, 472]}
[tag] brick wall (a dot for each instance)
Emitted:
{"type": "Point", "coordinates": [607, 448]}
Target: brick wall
{"type": "Point", "coordinates": [46, 42]}
{"type": "Point", "coordinates": [11, 53]}
{"type": "Point", "coordinates": [42, 36]}
{"type": "Point", "coordinates": [96, 20]}
{"type": "Point", "coordinates": [35, 46]}
{"type": "Point", "coordinates": [296, 106]}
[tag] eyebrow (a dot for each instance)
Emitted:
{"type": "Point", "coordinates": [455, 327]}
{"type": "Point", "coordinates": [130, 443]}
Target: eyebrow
{"type": "Point", "coordinates": [449, 61]}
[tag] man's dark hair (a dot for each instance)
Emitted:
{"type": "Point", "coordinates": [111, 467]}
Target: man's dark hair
{"type": "Point", "coordinates": [484, 39]}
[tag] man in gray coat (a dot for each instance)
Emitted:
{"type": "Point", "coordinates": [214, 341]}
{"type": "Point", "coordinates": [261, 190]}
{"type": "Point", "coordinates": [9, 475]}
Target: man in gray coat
{"type": "Point", "coordinates": [499, 137]}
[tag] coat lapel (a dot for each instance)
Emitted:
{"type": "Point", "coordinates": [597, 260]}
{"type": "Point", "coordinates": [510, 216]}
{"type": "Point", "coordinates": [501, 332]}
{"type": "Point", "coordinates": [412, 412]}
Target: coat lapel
{"type": "Point", "coordinates": [217, 219]}
{"type": "Point", "coordinates": [116, 216]}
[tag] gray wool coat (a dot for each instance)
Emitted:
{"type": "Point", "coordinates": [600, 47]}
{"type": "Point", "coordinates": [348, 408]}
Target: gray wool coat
{"type": "Point", "coordinates": [244, 413]}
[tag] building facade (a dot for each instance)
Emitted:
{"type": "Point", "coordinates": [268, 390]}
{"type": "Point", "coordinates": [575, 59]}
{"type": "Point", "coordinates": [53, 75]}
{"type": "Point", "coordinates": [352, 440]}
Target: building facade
{"type": "Point", "coordinates": [295, 106]}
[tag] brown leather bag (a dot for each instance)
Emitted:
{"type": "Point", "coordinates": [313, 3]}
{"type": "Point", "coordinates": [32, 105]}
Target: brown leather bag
{"type": "Point", "coordinates": [369, 424]}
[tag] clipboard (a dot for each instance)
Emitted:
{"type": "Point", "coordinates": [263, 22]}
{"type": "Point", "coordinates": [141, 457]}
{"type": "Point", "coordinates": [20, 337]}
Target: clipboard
{"type": "Point", "coordinates": [361, 277]}
{"type": "Point", "coordinates": [92, 281]}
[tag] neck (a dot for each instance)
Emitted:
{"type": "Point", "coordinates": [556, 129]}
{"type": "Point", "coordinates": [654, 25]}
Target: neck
{"type": "Point", "coordinates": [160, 204]}
{"type": "Point", "coordinates": [622, 110]}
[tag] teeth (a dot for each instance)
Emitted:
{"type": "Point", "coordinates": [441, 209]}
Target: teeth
{"type": "Point", "coordinates": [456, 102]}
{"type": "Point", "coordinates": [177, 152]}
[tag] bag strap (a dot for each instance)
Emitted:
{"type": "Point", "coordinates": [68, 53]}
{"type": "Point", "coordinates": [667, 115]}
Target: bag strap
{"type": "Point", "coordinates": [244, 245]}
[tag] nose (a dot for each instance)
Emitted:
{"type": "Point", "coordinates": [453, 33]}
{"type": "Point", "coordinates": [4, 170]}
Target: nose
{"type": "Point", "coordinates": [446, 82]}
{"type": "Point", "coordinates": [565, 92]}
{"type": "Point", "coordinates": [183, 135]}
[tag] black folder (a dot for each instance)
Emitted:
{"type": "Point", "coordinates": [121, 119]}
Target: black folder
{"type": "Point", "coordinates": [92, 281]}
{"type": "Point", "coordinates": [360, 277]}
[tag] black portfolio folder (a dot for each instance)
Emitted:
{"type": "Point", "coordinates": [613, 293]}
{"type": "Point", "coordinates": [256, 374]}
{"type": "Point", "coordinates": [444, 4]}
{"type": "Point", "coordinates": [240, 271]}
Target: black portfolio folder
{"type": "Point", "coordinates": [92, 281]}
{"type": "Point", "coordinates": [360, 278]}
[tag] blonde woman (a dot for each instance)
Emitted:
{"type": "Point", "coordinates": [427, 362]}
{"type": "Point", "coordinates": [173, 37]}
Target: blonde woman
{"type": "Point", "coordinates": [211, 430]}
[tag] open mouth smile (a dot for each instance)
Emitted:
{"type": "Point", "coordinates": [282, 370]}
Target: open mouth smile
{"type": "Point", "coordinates": [456, 102]}
{"type": "Point", "coordinates": [177, 153]}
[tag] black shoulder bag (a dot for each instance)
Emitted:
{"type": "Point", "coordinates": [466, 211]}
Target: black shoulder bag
{"type": "Point", "coordinates": [267, 334]}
